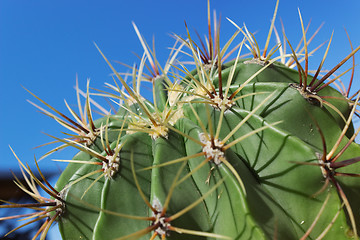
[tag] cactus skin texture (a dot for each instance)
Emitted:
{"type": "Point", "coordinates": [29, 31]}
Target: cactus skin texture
{"type": "Point", "coordinates": [245, 149]}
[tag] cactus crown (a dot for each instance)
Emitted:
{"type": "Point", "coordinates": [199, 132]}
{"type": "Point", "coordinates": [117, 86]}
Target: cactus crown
{"type": "Point", "coordinates": [252, 148]}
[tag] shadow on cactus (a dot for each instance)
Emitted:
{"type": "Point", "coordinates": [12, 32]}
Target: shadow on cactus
{"type": "Point", "coordinates": [235, 149]}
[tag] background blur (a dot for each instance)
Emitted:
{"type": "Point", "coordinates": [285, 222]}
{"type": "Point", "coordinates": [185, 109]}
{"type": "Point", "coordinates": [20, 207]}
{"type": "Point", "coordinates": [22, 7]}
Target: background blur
{"type": "Point", "coordinates": [44, 45]}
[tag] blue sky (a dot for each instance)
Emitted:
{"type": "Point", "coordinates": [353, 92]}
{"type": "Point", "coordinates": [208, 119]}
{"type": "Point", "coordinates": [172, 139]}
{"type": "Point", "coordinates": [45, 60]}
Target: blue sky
{"type": "Point", "coordinates": [45, 44]}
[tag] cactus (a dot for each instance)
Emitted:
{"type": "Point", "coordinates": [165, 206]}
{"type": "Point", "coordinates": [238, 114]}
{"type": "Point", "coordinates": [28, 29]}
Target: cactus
{"type": "Point", "coordinates": [244, 149]}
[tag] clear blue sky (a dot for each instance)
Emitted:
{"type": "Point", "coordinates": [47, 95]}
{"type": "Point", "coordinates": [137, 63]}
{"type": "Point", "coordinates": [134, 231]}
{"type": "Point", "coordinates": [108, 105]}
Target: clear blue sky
{"type": "Point", "coordinates": [44, 44]}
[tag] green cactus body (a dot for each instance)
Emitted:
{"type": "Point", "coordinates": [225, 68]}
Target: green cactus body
{"type": "Point", "coordinates": [246, 149]}
{"type": "Point", "coordinates": [260, 175]}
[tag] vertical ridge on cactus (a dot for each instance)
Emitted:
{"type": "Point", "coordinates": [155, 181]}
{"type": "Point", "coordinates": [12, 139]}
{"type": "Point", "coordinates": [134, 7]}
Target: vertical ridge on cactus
{"type": "Point", "coordinates": [250, 148]}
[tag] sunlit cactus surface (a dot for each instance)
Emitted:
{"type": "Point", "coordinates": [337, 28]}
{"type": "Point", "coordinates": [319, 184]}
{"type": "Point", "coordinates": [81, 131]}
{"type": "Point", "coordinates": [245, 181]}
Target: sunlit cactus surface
{"type": "Point", "coordinates": [239, 141]}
